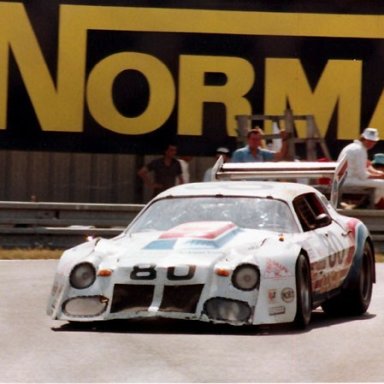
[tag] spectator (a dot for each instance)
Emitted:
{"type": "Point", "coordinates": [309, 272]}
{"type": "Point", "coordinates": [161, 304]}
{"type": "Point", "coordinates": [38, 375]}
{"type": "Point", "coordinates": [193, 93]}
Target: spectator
{"type": "Point", "coordinates": [254, 150]}
{"type": "Point", "coordinates": [221, 151]}
{"type": "Point", "coordinates": [184, 163]}
{"type": "Point", "coordinates": [378, 161]}
{"type": "Point", "coordinates": [166, 170]}
{"type": "Point", "coordinates": [360, 172]}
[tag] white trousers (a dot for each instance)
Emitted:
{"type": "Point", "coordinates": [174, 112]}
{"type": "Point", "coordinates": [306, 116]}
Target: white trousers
{"type": "Point", "coordinates": [378, 184]}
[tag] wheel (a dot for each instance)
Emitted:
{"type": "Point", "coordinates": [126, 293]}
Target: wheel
{"type": "Point", "coordinates": [304, 292]}
{"type": "Point", "coordinates": [355, 299]}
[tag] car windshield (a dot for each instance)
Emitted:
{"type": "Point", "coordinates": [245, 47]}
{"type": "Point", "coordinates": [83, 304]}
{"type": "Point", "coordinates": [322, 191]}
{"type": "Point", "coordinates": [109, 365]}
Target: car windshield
{"type": "Point", "coordinates": [245, 212]}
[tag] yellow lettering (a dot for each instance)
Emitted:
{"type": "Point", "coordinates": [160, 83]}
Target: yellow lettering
{"type": "Point", "coordinates": [3, 79]}
{"type": "Point", "coordinates": [339, 86]}
{"type": "Point", "coordinates": [55, 107]}
{"type": "Point", "coordinates": [193, 92]}
{"type": "Point", "coordinates": [377, 119]}
{"type": "Point", "coordinates": [58, 97]}
{"type": "Point", "coordinates": [162, 93]}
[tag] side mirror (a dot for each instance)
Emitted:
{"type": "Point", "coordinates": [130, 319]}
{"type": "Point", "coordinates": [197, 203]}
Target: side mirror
{"type": "Point", "coordinates": [323, 220]}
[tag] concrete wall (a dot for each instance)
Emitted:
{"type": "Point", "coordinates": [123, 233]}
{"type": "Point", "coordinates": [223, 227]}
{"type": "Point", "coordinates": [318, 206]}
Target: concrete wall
{"type": "Point", "coordinates": [78, 177]}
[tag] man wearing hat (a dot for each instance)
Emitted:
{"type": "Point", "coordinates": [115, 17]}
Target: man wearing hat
{"type": "Point", "coordinates": [360, 172]}
{"type": "Point", "coordinates": [221, 151]}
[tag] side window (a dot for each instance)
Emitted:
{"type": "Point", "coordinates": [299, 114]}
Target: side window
{"type": "Point", "coordinates": [311, 212]}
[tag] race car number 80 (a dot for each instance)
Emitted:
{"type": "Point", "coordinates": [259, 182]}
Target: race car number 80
{"type": "Point", "coordinates": [149, 272]}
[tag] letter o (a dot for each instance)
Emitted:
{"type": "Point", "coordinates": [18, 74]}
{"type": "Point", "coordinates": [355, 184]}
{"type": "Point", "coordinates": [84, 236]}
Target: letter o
{"type": "Point", "coordinates": [161, 93]}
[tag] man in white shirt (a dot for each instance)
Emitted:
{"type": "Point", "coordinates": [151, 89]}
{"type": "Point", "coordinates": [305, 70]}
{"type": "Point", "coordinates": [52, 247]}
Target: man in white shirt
{"type": "Point", "coordinates": [360, 172]}
{"type": "Point", "coordinates": [184, 164]}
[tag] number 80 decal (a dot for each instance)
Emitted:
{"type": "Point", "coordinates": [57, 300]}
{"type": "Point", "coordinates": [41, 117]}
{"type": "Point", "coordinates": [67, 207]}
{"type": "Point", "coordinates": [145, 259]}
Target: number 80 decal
{"type": "Point", "coordinates": [149, 272]}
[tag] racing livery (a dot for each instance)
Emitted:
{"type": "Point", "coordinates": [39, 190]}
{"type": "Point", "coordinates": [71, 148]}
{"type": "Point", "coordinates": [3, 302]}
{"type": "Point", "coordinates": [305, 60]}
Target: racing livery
{"type": "Point", "coordinates": [242, 252]}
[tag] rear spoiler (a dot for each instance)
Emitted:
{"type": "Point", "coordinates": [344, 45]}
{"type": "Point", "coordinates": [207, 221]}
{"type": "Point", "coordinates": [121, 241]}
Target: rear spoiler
{"type": "Point", "coordinates": [336, 171]}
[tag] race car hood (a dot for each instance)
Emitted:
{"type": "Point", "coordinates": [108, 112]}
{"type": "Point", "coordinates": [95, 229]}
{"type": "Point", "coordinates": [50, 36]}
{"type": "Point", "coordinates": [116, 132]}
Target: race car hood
{"type": "Point", "coordinates": [205, 242]}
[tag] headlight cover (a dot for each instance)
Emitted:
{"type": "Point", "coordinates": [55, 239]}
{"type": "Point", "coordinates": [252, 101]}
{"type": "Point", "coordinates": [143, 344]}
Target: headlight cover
{"type": "Point", "coordinates": [85, 306]}
{"type": "Point", "coordinates": [232, 311]}
{"type": "Point", "coordinates": [246, 277]}
{"type": "Point", "coordinates": [82, 276]}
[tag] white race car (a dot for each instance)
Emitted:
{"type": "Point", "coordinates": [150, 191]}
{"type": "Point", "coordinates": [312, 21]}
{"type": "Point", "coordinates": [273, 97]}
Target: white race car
{"type": "Point", "coordinates": [241, 252]}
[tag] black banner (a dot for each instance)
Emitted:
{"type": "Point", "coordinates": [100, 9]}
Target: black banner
{"type": "Point", "coordinates": [132, 76]}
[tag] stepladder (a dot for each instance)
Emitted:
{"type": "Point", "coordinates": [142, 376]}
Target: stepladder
{"type": "Point", "coordinates": [311, 147]}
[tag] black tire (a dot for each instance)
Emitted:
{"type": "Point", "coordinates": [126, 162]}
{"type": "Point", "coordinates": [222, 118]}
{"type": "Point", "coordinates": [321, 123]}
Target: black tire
{"type": "Point", "coordinates": [303, 292]}
{"type": "Point", "coordinates": [355, 299]}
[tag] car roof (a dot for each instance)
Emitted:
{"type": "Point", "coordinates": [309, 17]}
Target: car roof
{"type": "Point", "coordinates": [272, 189]}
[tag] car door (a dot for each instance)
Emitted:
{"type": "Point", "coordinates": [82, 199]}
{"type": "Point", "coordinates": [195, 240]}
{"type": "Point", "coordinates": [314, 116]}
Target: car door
{"type": "Point", "coordinates": [326, 241]}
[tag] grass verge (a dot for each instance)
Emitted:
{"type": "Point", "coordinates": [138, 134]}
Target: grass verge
{"type": "Point", "coordinates": [30, 254]}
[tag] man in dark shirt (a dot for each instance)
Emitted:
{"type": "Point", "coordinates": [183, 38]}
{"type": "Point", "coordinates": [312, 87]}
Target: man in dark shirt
{"type": "Point", "coordinates": [165, 171]}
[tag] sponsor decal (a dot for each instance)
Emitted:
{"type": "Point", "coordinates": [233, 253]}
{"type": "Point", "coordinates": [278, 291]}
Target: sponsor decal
{"type": "Point", "coordinates": [273, 311]}
{"type": "Point", "coordinates": [352, 226]}
{"type": "Point", "coordinates": [196, 235]}
{"type": "Point", "coordinates": [272, 294]}
{"type": "Point", "coordinates": [327, 281]}
{"type": "Point", "coordinates": [275, 270]}
{"type": "Point", "coordinates": [319, 265]}
{"type": "Point", "coordinates": [287, 295]}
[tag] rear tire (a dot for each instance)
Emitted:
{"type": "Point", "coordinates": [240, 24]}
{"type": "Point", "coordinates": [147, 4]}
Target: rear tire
{"type": "Point", "coordinates": [355, 299]}
{"type": "Point", "coordinates": [303, 292]}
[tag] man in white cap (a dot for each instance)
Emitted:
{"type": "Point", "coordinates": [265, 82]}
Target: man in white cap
{"type": "Point", "coordinates": [360, 172]}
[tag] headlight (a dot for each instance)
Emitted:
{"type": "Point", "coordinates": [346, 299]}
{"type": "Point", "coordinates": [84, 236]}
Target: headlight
{"type": "Point", "coordinates": [82, 275]}
{"type": "Point", "coordinates": [246, 277]}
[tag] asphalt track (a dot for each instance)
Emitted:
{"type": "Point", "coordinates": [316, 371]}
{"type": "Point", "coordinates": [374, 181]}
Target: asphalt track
{"type": "Point", "coordinates": [36, 349]}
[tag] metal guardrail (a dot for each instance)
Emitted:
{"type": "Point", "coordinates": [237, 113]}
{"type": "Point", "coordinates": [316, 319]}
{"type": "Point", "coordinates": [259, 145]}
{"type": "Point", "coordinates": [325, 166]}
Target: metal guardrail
{"type": "Point", "coordinates": [63, 225]}
{"type": "Point", "coordinates": [60, 225]}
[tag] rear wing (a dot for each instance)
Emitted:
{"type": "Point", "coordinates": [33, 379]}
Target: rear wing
{"type": "Point", "coordinates": [336, 171]}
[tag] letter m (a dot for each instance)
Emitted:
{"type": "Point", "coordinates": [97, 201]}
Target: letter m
{"type": "Point", "coordinates": [339, 86]}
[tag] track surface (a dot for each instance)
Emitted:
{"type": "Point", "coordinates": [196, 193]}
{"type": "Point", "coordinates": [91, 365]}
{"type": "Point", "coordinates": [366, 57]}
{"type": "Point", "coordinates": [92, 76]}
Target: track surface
{"type": "Point", "coordinates": [36, 349]}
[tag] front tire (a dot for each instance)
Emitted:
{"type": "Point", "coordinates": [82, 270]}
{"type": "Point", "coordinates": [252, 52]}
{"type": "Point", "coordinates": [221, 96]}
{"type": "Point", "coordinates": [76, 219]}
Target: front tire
{"type": "Point", "coordinates": [303, 292]}
{"type": "Point", "coordinates": [355, 299]}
